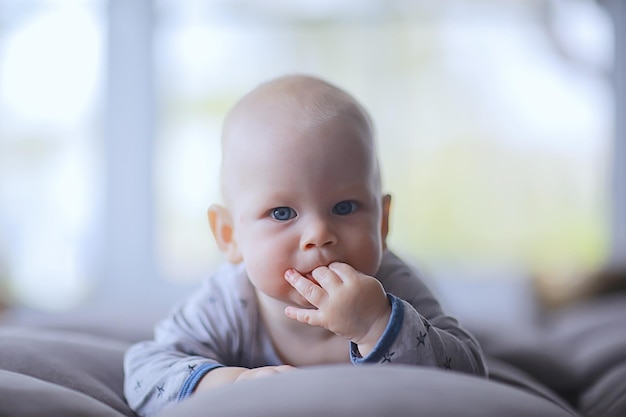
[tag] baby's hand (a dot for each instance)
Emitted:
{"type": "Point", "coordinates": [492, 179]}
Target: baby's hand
{"type": "Point", "coordinates": [263, 372]}
{"type": "Point", "coordinates": [349, 303]}
{"type": "Point", "coordinates": [229, 374]}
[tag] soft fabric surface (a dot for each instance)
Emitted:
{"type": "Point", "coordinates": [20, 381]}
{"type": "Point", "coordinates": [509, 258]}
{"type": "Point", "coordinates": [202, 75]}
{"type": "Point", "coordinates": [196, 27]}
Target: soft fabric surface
{"type": "Point", "coordinates": [127, 323]}
{"type": "Point", "coordinates": [578, 355]}
{"type": "Point", "coordinates": [607, 397]}
{"type": "Point", "coordinates": [24, 396]}
{"type": "Point", "coordinates": [503, 372]}
{"type": "Point", "coordinates": [532, 351]}
{"type": "Point", "coordinates": [590, 337]}
{"type": "Point", "coordinates": [88, 365]}
{"type": "Point", "coordinates": [570, 349]}
{"type": "Point", "coordinates": [369, 391]}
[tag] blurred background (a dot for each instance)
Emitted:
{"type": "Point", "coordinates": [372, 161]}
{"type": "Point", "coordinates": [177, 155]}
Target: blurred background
{"type": "Point", "coordinates": [495, 119]}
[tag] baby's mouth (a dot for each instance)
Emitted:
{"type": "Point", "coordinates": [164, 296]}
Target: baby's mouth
{"type": "Point", "coordinates": [309, 276]}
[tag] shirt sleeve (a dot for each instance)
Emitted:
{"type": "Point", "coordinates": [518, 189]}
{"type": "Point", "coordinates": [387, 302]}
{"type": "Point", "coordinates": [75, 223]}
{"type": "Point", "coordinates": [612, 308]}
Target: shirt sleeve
{"type": "Point", "coordinates": [205, 332]}
{"type": "Point", "coordinates": [418, 332]}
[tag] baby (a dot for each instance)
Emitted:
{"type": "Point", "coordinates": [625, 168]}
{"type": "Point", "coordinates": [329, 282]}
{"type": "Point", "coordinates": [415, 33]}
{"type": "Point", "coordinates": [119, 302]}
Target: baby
{"type": "Point", "coordinates": [309, 279]}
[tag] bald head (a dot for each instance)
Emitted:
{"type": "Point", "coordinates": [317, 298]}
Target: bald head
{"type": "Point", "coordinates": [295, 107]}
{"type": "Point", "coordinates": [307, 100]}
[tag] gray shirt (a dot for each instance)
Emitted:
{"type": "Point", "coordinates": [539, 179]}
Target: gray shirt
{"type": "Point", "coordinates": [220, 325]}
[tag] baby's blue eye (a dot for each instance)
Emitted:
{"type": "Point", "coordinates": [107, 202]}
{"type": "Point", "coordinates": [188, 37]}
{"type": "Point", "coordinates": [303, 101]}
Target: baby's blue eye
{"type": "Point", "coordinates": [344, 207]}
{"type": "Point", "coordinates": [283, 213]}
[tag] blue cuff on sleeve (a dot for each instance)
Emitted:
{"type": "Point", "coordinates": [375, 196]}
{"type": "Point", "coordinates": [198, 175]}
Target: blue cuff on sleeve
{"type": "Point", "coordinates": [194, 378]}
{"type": "Point", "coordinates": [386, 340]}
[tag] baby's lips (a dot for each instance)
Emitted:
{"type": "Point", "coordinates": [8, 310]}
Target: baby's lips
{"type": "Point", "coordinates": [292, 274]}
{"type": "Point", "coordinates": [309, 276]}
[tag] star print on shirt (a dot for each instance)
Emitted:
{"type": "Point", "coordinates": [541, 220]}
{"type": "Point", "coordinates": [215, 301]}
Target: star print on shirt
{"type": "Point", "coordinates": [447, 364]}
{"type": "Point", "coordinates": [421, 339]}
{"type": "Point", "coordinates": [426, 324]}
{"type": "Point", "coordinates": [387, 357]}
{"type": "Point", "coordinates": [137, 385]}
{"type": "Point", "coordinates": [191, 368]}
{"type": "Point", "coordinates": [161, 390]}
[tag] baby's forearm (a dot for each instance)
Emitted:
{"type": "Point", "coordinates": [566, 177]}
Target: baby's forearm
{"type": "Point", "coordinates": [369, 341]}
{"type": "Point", "coordinates": [229, 374]}
{"type": "Point", "coordinates": [220, 376]}
{"type": "Point", "coordinates": [410, 338]}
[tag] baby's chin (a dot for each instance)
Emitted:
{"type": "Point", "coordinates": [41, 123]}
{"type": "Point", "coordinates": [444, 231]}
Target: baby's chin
{"type": "Point", "coordinates": [299, 301]}
{"type": "Point", "coordinates": [281, 299]}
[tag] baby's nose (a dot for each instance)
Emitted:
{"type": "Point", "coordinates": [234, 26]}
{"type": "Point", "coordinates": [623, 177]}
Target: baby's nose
{"type": "Point", "coordinates": [317, 234]}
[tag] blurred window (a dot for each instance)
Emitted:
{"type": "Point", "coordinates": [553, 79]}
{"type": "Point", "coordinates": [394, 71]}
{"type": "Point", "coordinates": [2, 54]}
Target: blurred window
{"type": "Point", "coordinates": [50, 83]}
{"type": "Point", "coordinates": [493, 119]}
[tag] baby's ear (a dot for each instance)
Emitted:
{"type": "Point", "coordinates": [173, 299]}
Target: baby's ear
{"type": "Point", "coordinates": [384, 226]}
{"type": "Point", "coordinates": [221, 223]}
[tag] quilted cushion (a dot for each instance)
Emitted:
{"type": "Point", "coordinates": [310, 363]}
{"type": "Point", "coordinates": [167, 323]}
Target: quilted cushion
{"type": "Point", "coordinates": [503, 372]}
{"type": "Point", "coordinates": [22, 395]}
{"type": "Point", "coordinates": [366, 391]}
{"type": "Point", "coordinates": [84, 369]}
{"type": "Point", "coordinates": [570, 349]}
{"type": "Point", "coordinates": [607, 397]}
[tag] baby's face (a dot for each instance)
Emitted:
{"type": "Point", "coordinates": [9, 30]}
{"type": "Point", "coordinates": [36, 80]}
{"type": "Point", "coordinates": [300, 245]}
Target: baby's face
{"type": "Point", "coordinates": [304, 198]}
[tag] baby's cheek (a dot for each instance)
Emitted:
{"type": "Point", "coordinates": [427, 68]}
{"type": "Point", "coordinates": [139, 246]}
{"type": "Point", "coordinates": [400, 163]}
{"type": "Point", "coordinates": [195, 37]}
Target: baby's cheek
{"type": "Point", "coordinates": [369, 259]}
{"type": "Point", "coordinates": [268, 276]}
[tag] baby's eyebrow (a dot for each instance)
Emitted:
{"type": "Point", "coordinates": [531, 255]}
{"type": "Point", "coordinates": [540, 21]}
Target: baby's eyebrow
{"type": "Point", "coordinates": [271, 204]}
{"type": "Point", "coordinates": [278, 199]}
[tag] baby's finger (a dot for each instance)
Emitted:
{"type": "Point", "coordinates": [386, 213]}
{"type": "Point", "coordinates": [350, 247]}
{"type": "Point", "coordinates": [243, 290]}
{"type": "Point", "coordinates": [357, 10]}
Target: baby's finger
{"type": "Point", "coordinates": [313, 293]}
{"type": "Point", "coordinates": [303, 315]}
{"type": "Point", "coordinates": [343, 270]}
{"type": "Point", "coordinates": [326, 277]}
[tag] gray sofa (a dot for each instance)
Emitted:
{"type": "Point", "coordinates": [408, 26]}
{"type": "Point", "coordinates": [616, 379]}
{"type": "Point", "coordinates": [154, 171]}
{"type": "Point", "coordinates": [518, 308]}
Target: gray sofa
{"type": "Point", "coordinates": [572, 362]}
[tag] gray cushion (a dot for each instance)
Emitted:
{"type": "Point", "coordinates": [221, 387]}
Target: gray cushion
{"type": "Point", "coordinates": [89, 365]}
{"type": "Point", "coordinates": [572, 347]}
{"type": "Point", "coordinates": [532, 350]}
{"type": "Point", "coordinates": [109, 322]}
{"type": "Point", "coordinates": [607, 397]}
{"type": "Point", "coordinates": [503, 372]}
{"type": "Point", "coordinates": [367, 391]}
{"type": "Point", "coordinates": [591, 336]}
{"type": "Point", "coordinates": [22, 395]}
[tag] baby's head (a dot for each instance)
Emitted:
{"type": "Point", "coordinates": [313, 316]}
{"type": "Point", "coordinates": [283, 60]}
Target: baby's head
{"type": "Point", "coordinates": [301, 184]}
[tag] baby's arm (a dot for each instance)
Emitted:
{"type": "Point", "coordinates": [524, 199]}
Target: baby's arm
{"type": "Point", "coordinates": [229, 374]}
{"type": "Point", "coordinates": [195, 345]}
{"type": "Point", "coordinates": [176, 364]}
{"type": "Point", "coordinates": [419, 331]}
{"type": "Point", "coordinates": [158, 375]}
{"type": "Point", "coordinates": [416, 331]}
{"type": "Point", "coordinates": [410, 338]}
